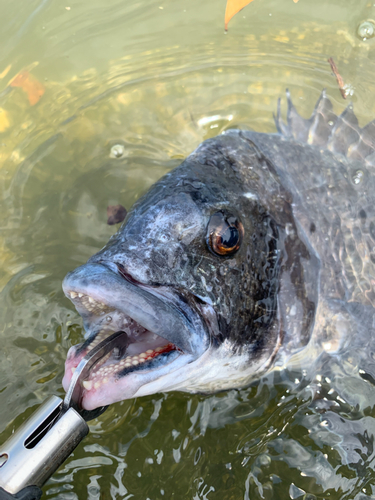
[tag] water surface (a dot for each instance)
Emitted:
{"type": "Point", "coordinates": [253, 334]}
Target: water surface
{"type": "Point", "coordinates": [157, 77]}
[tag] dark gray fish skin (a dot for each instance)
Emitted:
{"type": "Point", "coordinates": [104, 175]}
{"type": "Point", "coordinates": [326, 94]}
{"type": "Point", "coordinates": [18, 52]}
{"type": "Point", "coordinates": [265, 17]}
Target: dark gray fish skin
{"type": "Point", "coordinates": [163, 242]}
{"type": "Point", "coordinates": [306, 199]}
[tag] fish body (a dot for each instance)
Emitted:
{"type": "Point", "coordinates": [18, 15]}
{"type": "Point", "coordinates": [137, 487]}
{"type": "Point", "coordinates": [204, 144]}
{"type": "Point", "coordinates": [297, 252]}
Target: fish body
{"type": "Point", "coordinates": [257, 248]}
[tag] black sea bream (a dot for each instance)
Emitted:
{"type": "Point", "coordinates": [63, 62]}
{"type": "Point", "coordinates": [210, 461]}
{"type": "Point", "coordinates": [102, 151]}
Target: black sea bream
{"type": "Point", "coordinates": [259, 249]}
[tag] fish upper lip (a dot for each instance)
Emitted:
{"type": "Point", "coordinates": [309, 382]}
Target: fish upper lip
{"type": "Point", "coordinates": [154, 312]}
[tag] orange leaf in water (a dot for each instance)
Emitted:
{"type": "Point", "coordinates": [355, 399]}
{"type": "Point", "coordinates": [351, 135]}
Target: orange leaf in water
{"type": "Point", "coordinates": [233, 7]}
{"type": "Point", "coordinates": [30, 85]}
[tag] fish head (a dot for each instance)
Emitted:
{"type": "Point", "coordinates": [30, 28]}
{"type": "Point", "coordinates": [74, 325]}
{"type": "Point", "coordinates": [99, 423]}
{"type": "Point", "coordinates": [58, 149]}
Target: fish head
{"type": "Point", "coordinates": [191, 277]}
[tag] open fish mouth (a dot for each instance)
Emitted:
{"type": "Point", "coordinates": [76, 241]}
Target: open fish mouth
{"type": "Point", "coordinates": [163, 333]}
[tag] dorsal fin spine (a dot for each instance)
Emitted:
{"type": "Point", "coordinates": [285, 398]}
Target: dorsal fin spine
{"type": "Point", "coordinates": [340, 134]}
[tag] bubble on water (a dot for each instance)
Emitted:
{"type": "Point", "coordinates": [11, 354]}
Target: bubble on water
{"type": "Point", "coordinates": [357, 176]}
{"type": "Point", "coordinates": [366, 30]}
{"type": "Point", "coordinates": [117, 151]}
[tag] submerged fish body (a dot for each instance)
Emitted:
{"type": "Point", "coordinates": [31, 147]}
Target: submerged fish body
{"type": "Point", "coordinates": [256, 248]}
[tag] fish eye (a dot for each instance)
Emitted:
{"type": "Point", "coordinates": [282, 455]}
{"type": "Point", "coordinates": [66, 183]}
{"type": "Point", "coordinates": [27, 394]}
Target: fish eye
{"type": "Point", "coordinates": [224, 234]}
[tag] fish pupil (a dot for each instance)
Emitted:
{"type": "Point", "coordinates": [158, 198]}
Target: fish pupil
{"type": "Point", "coordinates": [230, 238]}
{"type": "Point", "coordinates": [224, 233]}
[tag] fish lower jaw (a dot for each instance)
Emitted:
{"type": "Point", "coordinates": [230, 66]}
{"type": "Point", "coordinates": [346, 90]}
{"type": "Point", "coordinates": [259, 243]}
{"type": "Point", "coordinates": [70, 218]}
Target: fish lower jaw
{"type": "Point", "coordinates": [106, 372]}
{"type": "Point", "coordinates": [110, 381]}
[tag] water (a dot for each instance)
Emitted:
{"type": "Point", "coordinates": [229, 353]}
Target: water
{"type": "Point", "coordinates": [158, 77]}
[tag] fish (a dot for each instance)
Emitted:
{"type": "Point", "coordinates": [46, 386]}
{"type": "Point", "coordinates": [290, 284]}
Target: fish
{"type": "Point", "coordinates": [257, 251]}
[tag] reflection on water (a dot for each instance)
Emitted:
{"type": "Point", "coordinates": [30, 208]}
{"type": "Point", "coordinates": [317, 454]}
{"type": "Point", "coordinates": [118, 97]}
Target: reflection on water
{"type": "Point", "coordinates": [158, 78]}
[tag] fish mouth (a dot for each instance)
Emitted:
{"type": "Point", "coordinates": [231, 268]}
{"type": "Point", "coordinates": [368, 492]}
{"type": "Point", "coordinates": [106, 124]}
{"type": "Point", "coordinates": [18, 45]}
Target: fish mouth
{"type": "Point", "coordinates": [164, 331]}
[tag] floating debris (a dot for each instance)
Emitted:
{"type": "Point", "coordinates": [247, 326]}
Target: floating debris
{"type": "Point", "coordinates": [115, 214]}
{"type": "Point", "coordinates": [344, 89]}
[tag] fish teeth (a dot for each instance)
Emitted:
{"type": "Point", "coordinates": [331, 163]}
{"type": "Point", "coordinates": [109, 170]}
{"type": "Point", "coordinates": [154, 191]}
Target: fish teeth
{"type": "Point", "coordinates": [90, 304]}
{"type": "Point", "coordinates": [103, 374]}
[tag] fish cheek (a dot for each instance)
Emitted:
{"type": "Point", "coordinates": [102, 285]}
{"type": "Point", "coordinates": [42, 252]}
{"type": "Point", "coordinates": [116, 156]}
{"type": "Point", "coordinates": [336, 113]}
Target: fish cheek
{"type": "Point", "coordinates": [251, 287]}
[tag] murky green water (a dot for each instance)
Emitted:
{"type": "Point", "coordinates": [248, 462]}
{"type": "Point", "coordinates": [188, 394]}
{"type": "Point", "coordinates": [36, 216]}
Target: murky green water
{"type": "Point", "coordinates": [158, 77]}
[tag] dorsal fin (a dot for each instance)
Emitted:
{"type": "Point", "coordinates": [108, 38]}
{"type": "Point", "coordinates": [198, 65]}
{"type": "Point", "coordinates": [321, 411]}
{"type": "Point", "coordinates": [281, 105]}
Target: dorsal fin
{"type": "Point", "coordinates": [340, 134]}
{"type": "Point", "coordinates": [365, 145]}
{"type": "Point", "coordinates": [345, 132]}
{"type": "Point", "coordinates": [322, 120]}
